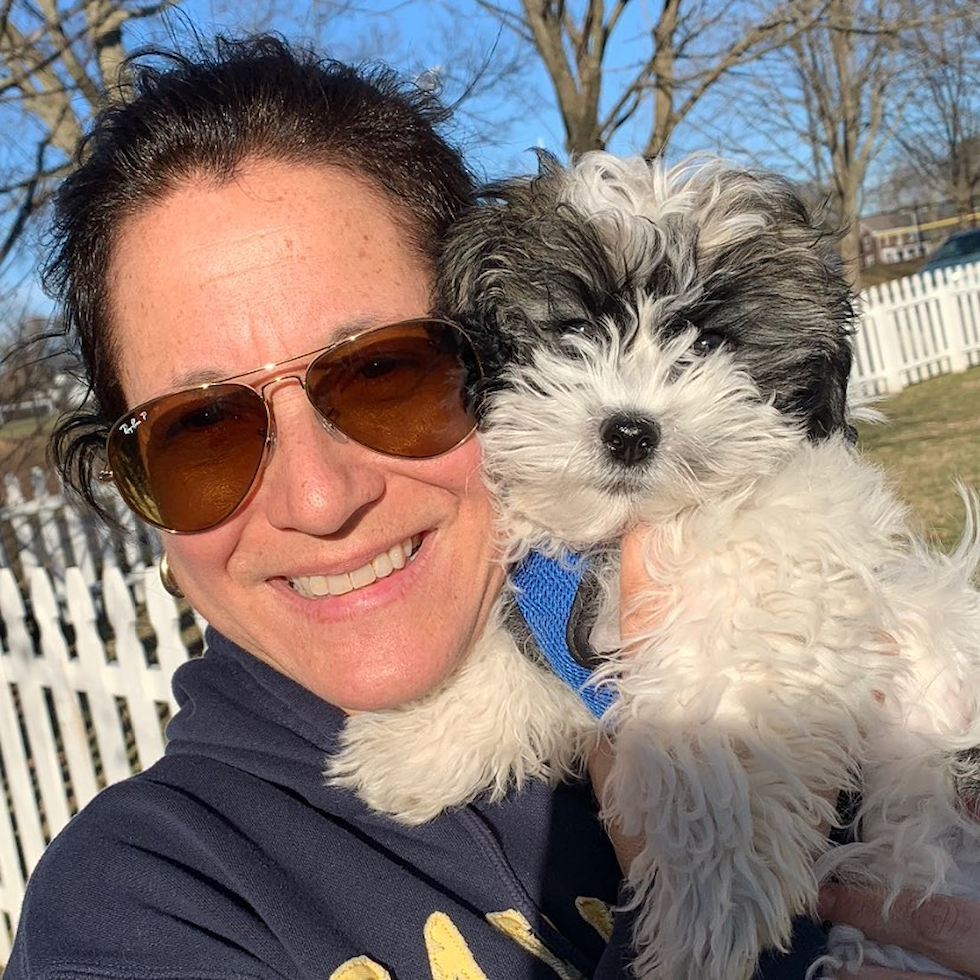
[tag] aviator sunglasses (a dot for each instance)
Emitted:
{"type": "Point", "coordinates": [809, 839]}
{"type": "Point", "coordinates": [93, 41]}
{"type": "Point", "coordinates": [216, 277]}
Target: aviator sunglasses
{"type": "Point", "coordinates": [186, 461]}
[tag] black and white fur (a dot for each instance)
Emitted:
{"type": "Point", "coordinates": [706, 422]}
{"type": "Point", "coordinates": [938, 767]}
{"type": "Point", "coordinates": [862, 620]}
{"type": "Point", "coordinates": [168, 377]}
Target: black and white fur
{"type": "Point", "coordinates": [671, 346]}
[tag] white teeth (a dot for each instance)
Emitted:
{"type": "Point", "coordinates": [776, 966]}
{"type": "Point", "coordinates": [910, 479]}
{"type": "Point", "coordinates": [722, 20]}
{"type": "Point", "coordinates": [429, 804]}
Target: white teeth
{"type": "Point", "coordinates": [336, 584]}
{"type": "Point", "coordinates": [381, 566]}
{"type": "Point", "coordinates": [363, 576]}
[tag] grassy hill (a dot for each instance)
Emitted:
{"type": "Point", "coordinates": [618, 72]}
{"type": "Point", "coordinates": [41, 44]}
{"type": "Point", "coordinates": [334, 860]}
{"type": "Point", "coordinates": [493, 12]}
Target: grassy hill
{"type": "Point", "coordinates": [931, 440]}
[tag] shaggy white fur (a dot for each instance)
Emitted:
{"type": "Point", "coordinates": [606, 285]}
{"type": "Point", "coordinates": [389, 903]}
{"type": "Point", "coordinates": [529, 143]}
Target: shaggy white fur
{"type": "Point", "coordinates": [670, 346]}
{"type": "Point", "coordinates": [501, 720]}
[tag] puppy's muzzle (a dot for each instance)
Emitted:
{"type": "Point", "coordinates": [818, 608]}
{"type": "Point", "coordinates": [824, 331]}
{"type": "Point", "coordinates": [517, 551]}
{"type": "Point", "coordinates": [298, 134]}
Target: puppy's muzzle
{"type": "Point", "coordinates": [629, 439]}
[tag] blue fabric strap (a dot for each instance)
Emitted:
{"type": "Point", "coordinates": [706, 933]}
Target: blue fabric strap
{"type": "Point", "coordinates": [545, 590]}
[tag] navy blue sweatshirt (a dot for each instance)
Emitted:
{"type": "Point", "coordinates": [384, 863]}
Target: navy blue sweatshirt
{"type": "Point", "coordinates": [230, 857]}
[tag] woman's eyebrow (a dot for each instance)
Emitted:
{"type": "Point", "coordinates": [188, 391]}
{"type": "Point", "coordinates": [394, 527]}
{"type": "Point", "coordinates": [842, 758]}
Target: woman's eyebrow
{"type": "Point", "coordinates": [194, 379]}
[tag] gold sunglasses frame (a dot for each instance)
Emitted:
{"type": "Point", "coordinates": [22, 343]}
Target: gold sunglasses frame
{"type": "Point", "coordinates": [130, 417]}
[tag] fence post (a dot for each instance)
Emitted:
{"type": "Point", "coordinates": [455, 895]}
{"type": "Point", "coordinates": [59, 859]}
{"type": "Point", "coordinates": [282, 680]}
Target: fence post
{"type": "Point", "coordinates": [875, 309]}
{"type": "Point", "coordinates": [136, 675]}
{"type": "Point", "coordinates": [67, 715]}
{"type": "Point", "coordinates": [99, 683]}
{"type": "Point", "coordinates": [948, 300]}
{"type": "Point", "coordinates": [17, 856]}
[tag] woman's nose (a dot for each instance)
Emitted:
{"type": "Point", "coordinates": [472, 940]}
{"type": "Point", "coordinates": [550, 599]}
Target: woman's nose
{"type": "Point", "coordinates": [316, 480]}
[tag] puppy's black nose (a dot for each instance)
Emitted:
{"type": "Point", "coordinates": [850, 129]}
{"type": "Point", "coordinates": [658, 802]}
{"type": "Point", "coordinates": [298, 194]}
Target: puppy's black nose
{"type": "Point", "coordinates": [630, 439]}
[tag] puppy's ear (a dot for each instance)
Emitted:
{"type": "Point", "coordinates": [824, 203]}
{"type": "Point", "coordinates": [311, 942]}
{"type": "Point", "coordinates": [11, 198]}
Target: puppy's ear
{"type": "Point", "coordinates": [481, 277]}
{"type": "Point", "coordinates": [815, 251]}
{"type": "Point", "coordinates": [822, 399]}
{"type": "Point", "coordinates": [467, 271]}
{"type": "Point", "coordinates": [776, 283]}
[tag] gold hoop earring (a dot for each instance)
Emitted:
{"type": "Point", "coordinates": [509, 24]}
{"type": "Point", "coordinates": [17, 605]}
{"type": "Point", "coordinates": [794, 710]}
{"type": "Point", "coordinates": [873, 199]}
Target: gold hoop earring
{"type": "Point", "coordinates": [167, 578]}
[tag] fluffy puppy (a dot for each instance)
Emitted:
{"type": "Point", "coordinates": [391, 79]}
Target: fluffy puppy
{"type": "Point", "coordinates": [670, 346]}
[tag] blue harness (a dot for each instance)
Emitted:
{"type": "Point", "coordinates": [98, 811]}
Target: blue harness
{"type": "Point", "coordinates": [545, 590]}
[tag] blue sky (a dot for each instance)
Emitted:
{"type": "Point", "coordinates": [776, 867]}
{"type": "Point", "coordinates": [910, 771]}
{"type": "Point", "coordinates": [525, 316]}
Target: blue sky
{"type": "Point", "coordinates": [499, 130]}
{"type": "Point", "coordinates": [415, 36]}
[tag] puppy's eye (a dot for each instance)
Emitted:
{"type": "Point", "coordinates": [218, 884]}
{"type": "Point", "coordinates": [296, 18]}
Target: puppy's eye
{"type": "Point", "coordinates": [707, 342]}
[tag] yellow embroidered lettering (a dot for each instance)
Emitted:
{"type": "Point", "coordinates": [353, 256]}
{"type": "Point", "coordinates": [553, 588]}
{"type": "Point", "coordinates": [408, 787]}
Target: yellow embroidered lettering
{"type": "Point", "coordinates": [360, 968]}
{"type": "Point", "coordinates": [449, 956]}
{"type": "Point", "coordinates": [511, 923]}
{"type": "Point", "coordinates": [597, 913]}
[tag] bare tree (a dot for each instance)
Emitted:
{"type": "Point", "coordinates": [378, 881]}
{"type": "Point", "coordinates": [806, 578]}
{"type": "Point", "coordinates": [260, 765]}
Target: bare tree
{"type": "Point", "coordinates": [940, 135]}
{"type": "Point", "coordinates": [844, 68]}
{"type": "Point", "coordinates": [676, 58]}
{"type": "Point", "coordinates": [61, 60]}
{"type": "Point", "coordinates": [831, 100]}
{"type": "Point", "coordinates": [857, 74]}
{"type": "Point", "coordinates": [58, 63]}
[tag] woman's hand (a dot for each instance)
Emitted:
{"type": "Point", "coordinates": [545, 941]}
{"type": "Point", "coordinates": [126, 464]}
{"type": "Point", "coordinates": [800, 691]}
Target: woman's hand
{"type": "Point", "coordinates": [633, 619]}
{"type": "Point", "coordinates": [946, 929]}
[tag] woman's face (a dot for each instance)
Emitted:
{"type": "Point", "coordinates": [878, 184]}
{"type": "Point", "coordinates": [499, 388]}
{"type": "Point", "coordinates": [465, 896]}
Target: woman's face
{"type": "Point", "coordinates": [218, 280]}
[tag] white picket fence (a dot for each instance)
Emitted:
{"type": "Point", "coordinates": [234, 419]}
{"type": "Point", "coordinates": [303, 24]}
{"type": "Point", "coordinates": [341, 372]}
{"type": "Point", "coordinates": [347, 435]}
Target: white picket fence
{"type": "Point", "coordinates": [38, 530]}
{"type": "Point", "coordinates": [90, 638]}
{"type": "Point", "coordinates": [915, 328]}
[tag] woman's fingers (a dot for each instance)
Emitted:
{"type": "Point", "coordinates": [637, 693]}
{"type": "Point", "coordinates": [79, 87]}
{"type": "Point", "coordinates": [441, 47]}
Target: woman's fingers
{"type": "Point", "coordinates": [944, 928]}
{"type": "Point", "coordinates": [626, 848]}
{"type": "Point", "coordinates": [636, 606]}
{"type": "Point", "coordinates": [634, 618]}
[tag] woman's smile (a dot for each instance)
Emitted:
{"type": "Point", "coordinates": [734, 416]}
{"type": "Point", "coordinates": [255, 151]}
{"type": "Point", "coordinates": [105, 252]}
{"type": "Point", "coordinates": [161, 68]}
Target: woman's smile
{"type": "Point", "coordinates": [382, 565]}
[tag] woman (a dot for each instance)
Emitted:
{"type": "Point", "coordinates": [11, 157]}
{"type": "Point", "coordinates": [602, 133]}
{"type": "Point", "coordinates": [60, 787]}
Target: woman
{"type": "Point", "coordinates": [246, 259]}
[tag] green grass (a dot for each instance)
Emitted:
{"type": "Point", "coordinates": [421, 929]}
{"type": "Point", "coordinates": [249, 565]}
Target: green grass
{"type": "Point", "coordinates": [931, 440]}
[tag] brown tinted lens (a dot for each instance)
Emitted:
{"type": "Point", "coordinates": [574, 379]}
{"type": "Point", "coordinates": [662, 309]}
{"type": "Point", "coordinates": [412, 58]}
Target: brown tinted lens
{"type": "Point", "coordinates": [398, 390]}
{"type": "Point", "coordinates": [185, 461]}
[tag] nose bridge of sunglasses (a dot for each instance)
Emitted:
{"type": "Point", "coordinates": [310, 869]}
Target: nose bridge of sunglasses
{"type": "Point", "coordinates": [281, 380]}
